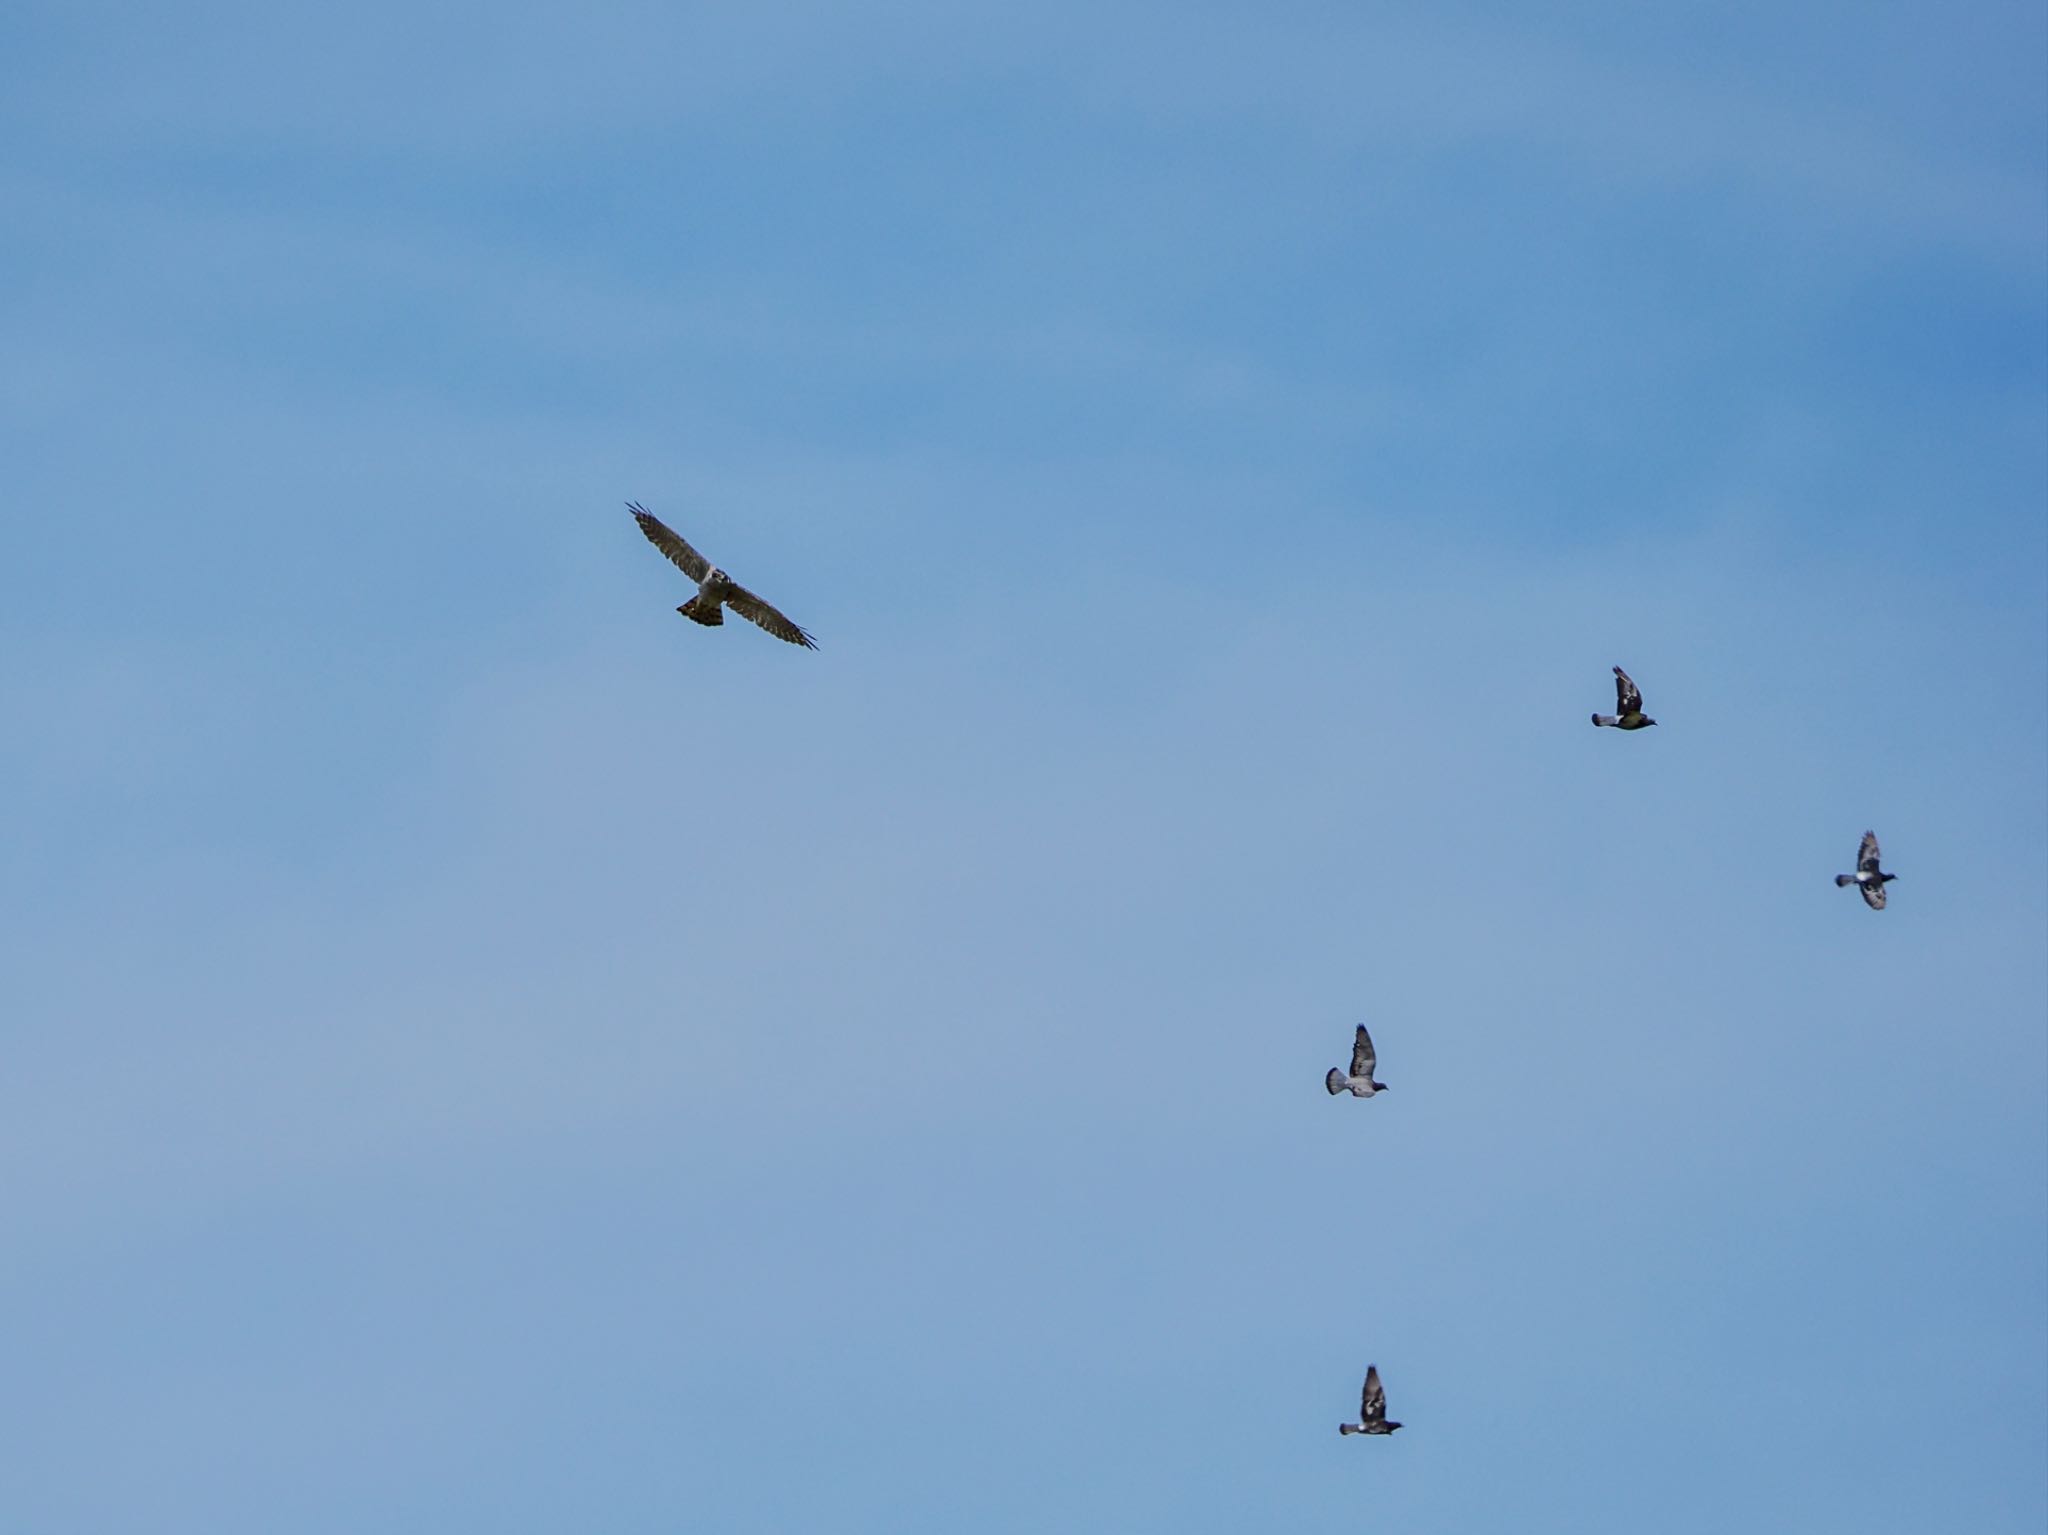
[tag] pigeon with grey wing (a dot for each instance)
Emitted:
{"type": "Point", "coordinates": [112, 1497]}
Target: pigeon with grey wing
{"type": "Point", "coordinates": [1628, 705]}
{"type": "Point", "coordinates": [1868, 878]}
{"type": "Point", "coordinates": [1372, 1409]}
{"type": "Point", "coordinates": [716, 590]}
{"type": "Point", "coordinates": [1360, 1083]}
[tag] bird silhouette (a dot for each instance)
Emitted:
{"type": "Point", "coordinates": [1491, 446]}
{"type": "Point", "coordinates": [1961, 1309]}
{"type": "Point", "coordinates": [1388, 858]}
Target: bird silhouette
{"type": "Point", "coordinates": [1372, 1408]}
{"type": "Point", "coordinates": [1359, 1083]}
{"type": "Point", "coordinates": [1628, 705]}
{"type": "Point", "coordinates": [1868, 878]}
{"type": "Point", "coordinates": [716, 590]}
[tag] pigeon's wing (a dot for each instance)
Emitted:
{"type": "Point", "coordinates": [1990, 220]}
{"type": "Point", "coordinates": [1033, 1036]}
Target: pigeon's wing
{"type": "Point", "coordinates": [1372, 1408]}
{"type": "Point", "coordinates": [1873, 895]}
{"type": "Point", "coordinates": [670, 543]}
{"type": "Point", "coordinates": [1628, 699]}
{"type": "Point", "coordinates": [754, 610]}
{"type": "Point", "coordinates": [1866, 855]}
{"type": "Point", "coordinates": [1362, 1058]}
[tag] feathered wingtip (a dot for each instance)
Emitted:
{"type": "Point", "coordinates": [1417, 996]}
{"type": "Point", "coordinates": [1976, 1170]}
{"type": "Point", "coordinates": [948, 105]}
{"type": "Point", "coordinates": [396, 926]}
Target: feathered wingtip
{"type": "Point", "coordinates": [1334, 1081]}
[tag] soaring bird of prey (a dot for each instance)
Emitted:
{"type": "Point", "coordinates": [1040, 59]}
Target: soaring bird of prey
{"type": "Point", "coordinates": [1360, 1082]}
{"type": "Point", "coordinates": [715, 589]}
{"type": "Point", "coordinates": [1628, 706]}
{"type": "Point", "coordinates": [1868, 878]}
{"type": "Point", "coordinates": [1372, 1408]}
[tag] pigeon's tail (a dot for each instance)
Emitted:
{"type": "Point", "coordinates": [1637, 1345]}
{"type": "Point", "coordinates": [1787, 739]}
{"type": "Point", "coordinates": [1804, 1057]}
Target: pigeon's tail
{"type": "Point", "coordinates": [697, 610]}
{"type": "Point", "coordinates": [1607, 719]}
{"type": "Point", "coordinates": [1844, 879]}
{"type": "Point", "coordinates": [1334, 1081]}
{"type": "Point", "coordinates": [1350, 1428]}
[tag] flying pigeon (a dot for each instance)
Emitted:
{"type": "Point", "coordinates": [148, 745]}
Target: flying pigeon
{"type": "Point", "coordinates": [1868, 877]}
{"type": "Point", "coordinates": [1628, 705]}
{"type": "Point", "coordinates": [1360, 1081]}
{"type": "Point", "coordinates": [715, 589]}
{"type": "Point", "coordinates": [1372, 1409]}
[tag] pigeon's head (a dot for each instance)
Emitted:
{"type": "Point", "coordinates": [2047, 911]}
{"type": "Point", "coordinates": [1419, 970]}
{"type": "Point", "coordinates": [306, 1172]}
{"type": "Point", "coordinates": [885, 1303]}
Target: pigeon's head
{"type": "Point", "coordinates": [1647, 721]}
{"type": "Point", "coordinates": [1379, 1087]}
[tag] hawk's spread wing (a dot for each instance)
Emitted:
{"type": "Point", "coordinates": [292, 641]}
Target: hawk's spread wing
{"type": "Point", "coordinates": [670, 543]}
{"type": "Point", "coordinates": [1373, 1407]}
{"type": "Point", "coordinates": [754, 610]}
{"type": "Point", "coordinates": [1873, 895]}
{"type": "Point", "coordinates": [1362, 1058]}
{"type": "Point", "coordinates": [1866, 855]}
{"type": "Point", "coordinates": [1628, 699]}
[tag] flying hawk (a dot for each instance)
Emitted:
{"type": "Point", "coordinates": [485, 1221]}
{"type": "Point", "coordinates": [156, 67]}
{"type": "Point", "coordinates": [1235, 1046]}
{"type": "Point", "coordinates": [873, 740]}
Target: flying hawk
{"type": "Point", "coordinates": [1372, 1409]}
{"type": "Point", "coordinates": [1628, 706]}
{"type": "Point", "coordinates": [715, 589]}
{"type": "Point", "coordinates": [1868, 878]}
{"type": "Point", "coordinates": [1360, 1081]}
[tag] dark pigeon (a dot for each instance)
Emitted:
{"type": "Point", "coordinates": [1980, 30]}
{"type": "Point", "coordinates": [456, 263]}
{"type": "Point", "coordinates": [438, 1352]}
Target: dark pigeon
{"type": "Point", "coordinates": [1628, 705]}
{"type": "Point", "coordinates": [1868, 878]}
{"type": "Point", "coordinates": [1360, 1083]}
{"type": "Point", "coordinates": [1372, 1409]}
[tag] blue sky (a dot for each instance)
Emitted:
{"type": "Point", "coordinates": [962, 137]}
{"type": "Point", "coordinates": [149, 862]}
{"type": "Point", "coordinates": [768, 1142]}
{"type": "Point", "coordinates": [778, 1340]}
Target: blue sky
{"type": "Point", "coordinates": [484, 1054]}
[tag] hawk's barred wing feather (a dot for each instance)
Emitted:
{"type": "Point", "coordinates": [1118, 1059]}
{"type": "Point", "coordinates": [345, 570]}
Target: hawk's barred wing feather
{"type": "Point", "coordinates": [670, 543]}
{"type": "Point", "coordinates": [754, 610]}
